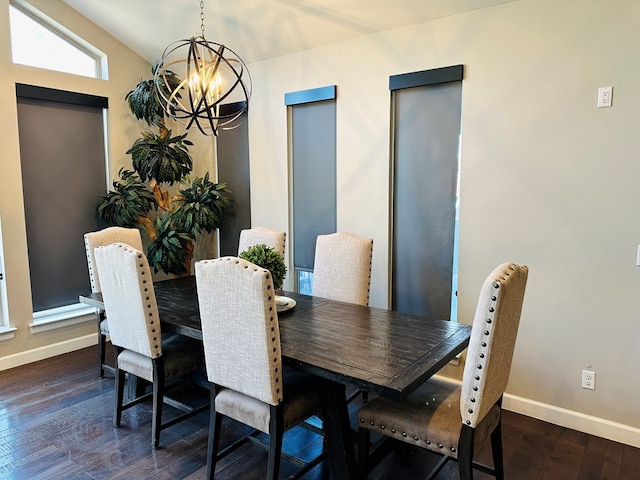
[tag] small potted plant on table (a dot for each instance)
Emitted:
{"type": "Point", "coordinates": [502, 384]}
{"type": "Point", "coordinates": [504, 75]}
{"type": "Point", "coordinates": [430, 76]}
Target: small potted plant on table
{"type": "Point", "coordinates": [268, 258]}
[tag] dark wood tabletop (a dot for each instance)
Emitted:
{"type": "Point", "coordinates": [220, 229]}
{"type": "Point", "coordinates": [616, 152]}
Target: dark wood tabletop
{"type": "Point", "coordinates": [377, 350]}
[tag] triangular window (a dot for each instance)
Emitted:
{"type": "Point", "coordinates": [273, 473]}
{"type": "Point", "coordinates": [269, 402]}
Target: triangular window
{"type": "Point", "coordinates": [37, 42]}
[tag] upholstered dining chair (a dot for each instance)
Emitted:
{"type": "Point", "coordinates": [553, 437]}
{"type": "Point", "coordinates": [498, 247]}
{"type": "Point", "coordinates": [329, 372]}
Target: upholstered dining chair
{"type": "Point", "coordinates": [342, 271]}
{"type": "Point", "coordinates": [342, 267]}
{"type": "Point", "coordinates": [101, 238]}
{"type": "Point", "coordinates": [134, 327]}
{"type": "Point", "coordinates": [241, 338]}
{"type": "Point", "coordinates": [455, 421]}
{"type": "Point", "coordinates": [262, 235]}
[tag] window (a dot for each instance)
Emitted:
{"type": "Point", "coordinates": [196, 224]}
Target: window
{"type": "Point", "coordinates": [426, 111]}
{"type": "Point", "coordinates": [5, 330]}
{"type": "Point", "coordinates": [312, 130]}
{"type": "Point", "coordinates": [232, 159]}
{"type": "Point", "coordinates": [40, 42]}
{"type": "Point", "coordinates": [56, 129]}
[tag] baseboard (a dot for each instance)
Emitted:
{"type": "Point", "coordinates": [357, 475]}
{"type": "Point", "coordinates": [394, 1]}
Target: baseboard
{"type": "Point", "coordinates": [48, 351]}
{"type": "Point", "coordinates": [581, 422]}
{"type": "Point", "coordinates": [563, 417]}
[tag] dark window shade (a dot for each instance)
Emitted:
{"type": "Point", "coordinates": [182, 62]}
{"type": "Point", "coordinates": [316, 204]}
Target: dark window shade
{"type": "Point", "coordinates": [313, 141]}
{"type": "Point", "coordinates": [63, 173]}
{"type": "Point", "coordinates": [311, 95]}
{"type": "Point", "coordinates": [232, 157]}
{"type": "Point", "coordinates": [426, 125]}
{"type": "Point", "coordinates": [423, 78]}
{"type": "Point", "coordinates": [60, 96]}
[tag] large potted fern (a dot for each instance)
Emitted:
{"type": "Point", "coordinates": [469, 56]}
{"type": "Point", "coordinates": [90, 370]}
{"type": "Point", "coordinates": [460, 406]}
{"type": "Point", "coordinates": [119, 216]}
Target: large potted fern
{"type": "Point", "coordinates": [141, 197]}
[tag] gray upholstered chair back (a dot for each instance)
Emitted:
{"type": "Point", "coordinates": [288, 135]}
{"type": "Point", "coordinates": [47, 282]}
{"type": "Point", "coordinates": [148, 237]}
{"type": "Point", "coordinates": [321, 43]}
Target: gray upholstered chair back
{"type": "Point", "coordinates": [262, 235]}
{"type": "Point", "coordinates": [342, 267]}
{"type": "Point", "coordinates": [240, 327]}
{"type": "Point", "coordinates": [107, 236]}
{"type": "Point", "coordinates": [493, 339]}
{"type": "Point", "coordinates": [129, 299]}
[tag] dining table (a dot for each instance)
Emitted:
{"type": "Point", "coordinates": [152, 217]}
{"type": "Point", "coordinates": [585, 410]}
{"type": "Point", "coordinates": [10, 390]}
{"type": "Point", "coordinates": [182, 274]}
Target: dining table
{"type": "Point", "coordinates": [380, 351]}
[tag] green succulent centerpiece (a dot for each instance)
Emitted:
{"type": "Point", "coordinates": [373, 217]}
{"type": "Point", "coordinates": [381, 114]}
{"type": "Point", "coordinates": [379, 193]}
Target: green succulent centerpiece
{"type": "Point", "coordinates": [268, 258]}
{"type": "Point", "coordinates": [140, 197]}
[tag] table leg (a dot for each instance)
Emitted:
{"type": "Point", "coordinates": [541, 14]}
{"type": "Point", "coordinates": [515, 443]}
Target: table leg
{"type": "Point", "coordinates": [337, 430]}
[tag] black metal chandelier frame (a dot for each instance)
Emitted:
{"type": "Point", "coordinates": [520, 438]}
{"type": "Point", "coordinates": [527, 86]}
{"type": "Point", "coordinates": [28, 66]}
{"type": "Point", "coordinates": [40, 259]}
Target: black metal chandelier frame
{"type": "Point", "coordinates": [208, 75]}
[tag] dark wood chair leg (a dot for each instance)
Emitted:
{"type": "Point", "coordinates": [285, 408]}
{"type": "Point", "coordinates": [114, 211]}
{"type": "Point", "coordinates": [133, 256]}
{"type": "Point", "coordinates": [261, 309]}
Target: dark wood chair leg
{"type": "Point", "coordinates": [363, 453]}
{"type": "Point", "coordinates": [158, 396]}
{"type": "Point", "coordinates": [276, 431]}
{"type": "Point", "coordinates": [120, 381]}
{"type": "Point", "coordinates": [214, 435]}
{"type": "Point", "coordinates": [496, 450]}
{"type": "Point", "coordinates": [465, 453]}
{"type": "Point", "coordinates": [102, 343]}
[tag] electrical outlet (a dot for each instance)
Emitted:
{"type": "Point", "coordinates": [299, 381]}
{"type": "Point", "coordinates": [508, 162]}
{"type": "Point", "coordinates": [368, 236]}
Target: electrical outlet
{"type": "Point", "coordinates": [588, 379]}
{"type": "Point", "coordinates": [604, 96]}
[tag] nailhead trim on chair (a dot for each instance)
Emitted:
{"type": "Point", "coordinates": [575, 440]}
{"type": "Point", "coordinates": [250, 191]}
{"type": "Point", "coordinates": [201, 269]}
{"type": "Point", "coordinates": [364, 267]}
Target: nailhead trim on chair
{"type": "Point", "coordinates": [92, 274]}
{"type": "Point", "coordinates": [479, 367]}
{"type": "Point", "coordinates": [273, 338]}
{"type": "Point", "coordinates": [370, 268]}
{"type": "Point", "coordinates": [487, 333]}
{"type": "Point", "coordinates": [360, 247]}
{"type": "Point", "coordinates": [271, 319]}
{"type": "Point", "coordinates": [156, 345]}
{"type": "Point", "coordinates": [156, 349]}
{"type": "Point", "coordinates": [405, 434]}
{"type": "Point", "coordinates": [104, 237]}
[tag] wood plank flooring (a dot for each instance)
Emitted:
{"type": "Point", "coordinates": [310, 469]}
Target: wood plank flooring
{"type": "Point", "coordinates": [56, 422]}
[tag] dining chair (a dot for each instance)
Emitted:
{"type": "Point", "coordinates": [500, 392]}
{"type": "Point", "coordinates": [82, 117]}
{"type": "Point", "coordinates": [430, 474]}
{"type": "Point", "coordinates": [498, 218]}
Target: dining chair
{"type": "Point", "coordinates": [134, 327]}
{"type": "Point", "coordinates": [262, 235]}
{"type": "Point", "coordinates": [101, 238]}
{"type": "Point", "coordinates": [455, 421]}
{"type": "Point", "coordinates": [342, 267]}
{"type": "Point", "coordinates": [342, 271]}
{"type": "Point", "coordinates": [243, 360]}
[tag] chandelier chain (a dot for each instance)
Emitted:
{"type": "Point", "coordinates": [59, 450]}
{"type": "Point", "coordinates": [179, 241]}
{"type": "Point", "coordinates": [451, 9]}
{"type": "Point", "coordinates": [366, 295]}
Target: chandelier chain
{"type": "Point", "coordinates": [202, 17]}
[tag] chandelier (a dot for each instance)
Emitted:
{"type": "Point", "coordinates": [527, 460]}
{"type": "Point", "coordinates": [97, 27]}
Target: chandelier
{"type": "Point", "coordinates": [203, 83]}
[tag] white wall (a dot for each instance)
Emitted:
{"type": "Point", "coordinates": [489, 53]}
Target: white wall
{"type": "Point", "coordinates": [547, 179]}
{"type": "Point", "coordinates": [126, 69]}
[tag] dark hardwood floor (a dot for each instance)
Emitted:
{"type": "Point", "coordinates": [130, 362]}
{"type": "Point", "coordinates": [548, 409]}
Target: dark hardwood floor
{"type": "Point", "coordinates": [56, 422]}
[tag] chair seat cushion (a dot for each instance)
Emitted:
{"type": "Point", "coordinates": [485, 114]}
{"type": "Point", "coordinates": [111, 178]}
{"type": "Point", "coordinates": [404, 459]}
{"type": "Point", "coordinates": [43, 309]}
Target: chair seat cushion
{"type": "Point", "coordinates": [301, 397]}
{"type": "Point", "coordinates": [181, 355]}
{"type": "Point", "coordinates": [429, 418]}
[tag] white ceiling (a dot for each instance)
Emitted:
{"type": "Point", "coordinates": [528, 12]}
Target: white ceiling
{"type": "Point", "coordinates": [260, 29]}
